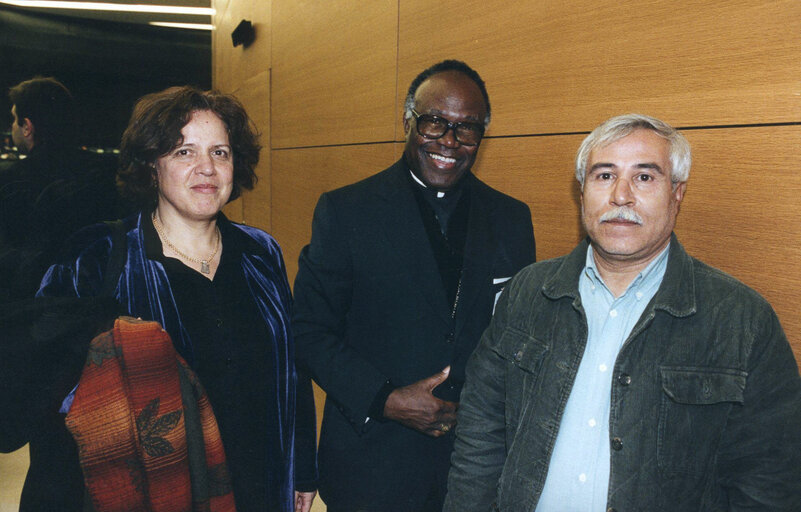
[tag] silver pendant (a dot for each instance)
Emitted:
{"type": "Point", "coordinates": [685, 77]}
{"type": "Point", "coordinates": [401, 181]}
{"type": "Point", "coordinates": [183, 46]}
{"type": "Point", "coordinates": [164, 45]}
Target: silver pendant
{"type": "Point", "coordinates": [204, 267]}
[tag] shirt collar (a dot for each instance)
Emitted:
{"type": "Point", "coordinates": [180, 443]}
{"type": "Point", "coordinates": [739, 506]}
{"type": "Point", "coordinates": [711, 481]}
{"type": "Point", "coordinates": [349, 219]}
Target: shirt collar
{"type": "Point", "coordinates": [654, 270]}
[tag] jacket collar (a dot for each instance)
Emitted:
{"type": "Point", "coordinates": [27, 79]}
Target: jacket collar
{"type": "Point", "coordinates": [676, 294]}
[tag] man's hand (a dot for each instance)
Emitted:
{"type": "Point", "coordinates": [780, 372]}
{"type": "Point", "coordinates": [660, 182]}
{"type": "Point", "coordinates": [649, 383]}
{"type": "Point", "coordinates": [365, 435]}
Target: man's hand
{"type": "Point", "coordinates": [416, 407]}
{"type": "Point", "coordinates": [303, 500]}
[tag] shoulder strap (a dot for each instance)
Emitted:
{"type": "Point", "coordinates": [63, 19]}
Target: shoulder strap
{"type": "Point", "coordinates": [116, 261]}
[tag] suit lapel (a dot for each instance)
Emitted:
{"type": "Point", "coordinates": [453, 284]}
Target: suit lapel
{"type": "Point", "coordinates": [477, 264]}
{"type": "Point", "coordinates": [407, 239]}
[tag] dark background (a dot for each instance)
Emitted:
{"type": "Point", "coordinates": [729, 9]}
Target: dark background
{"type": "Point", "coordinates": [106, 65]}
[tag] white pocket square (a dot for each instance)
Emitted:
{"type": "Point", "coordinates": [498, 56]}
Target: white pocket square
{"type": "Point", "coordinates": [498, 280]}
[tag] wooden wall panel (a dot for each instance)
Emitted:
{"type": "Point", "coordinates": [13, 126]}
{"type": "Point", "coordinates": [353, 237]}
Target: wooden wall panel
{"type": "Point", "coordinates": [334, 72]}
{"type": "Point", "coordinates": [255, 96]}
{"type": "Point", "coordinates": [301, 175]}
{"type": "Point", "coordinates": [233, 66]}
{"type": "Point", "coordinates": [555, 66]}
{"type": "Point", "coordinates": [538, 171]}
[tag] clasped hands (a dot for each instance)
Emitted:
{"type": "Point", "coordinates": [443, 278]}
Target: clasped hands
{"type": "Point", "coordinates": [416, 406]}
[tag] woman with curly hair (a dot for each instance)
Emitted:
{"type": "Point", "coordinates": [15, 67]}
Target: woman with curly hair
{"type": "Point", "coordinates": [218, 288]}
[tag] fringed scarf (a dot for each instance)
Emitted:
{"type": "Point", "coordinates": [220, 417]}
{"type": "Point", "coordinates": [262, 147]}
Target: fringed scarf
{"type": "Point", "coordinates": [147, 437]}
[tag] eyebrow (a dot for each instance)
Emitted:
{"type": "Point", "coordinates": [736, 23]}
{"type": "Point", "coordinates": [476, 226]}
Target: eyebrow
{"type": "Point", "coordinates": [468, 119]}
{"type": "Point", "coordinates": [644, 165]}
{"type": "Point", "coordinates": [194, 144]}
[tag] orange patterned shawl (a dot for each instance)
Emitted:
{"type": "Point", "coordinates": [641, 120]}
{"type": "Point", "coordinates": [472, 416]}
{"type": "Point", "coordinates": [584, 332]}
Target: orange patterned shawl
{"type": "Point", "coordinates": [147, 437]}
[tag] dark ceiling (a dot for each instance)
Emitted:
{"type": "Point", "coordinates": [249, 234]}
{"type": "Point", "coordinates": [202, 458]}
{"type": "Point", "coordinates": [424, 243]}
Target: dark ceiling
{"type": "Point", "coordinates": [106, 64]}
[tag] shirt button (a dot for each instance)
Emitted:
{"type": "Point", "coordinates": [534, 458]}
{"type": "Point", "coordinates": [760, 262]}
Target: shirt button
{"type": "Point", "coordinates": [602, 368]}
{"type": "Point", "coordinates": [582, 478]}
{"type": "Point", "coordinates": [624, 379]}
{"type": "Point", "coordinates": [617, 444]}
{"type": "Point", "coordinates": [613, 313]}
{"type": "Point", "coordinates": [592, 423]}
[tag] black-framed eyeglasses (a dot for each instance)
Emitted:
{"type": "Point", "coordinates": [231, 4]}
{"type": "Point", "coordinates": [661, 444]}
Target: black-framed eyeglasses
{"type": "Point", "coordinates": [434, 127]}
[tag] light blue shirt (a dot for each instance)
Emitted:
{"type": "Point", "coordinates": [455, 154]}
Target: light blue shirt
{"type": "Point", "coordinates": [578, 474]}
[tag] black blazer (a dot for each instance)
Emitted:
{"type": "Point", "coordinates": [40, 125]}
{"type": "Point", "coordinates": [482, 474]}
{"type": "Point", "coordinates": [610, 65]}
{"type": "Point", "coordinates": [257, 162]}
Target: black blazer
{"type": "Point", "coordinates": [370, 307]}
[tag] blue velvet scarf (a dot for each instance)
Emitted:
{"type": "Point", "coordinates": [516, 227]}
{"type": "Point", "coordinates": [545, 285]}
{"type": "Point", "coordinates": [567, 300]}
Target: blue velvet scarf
{"type": "Point", "coordinates": [144, 291]}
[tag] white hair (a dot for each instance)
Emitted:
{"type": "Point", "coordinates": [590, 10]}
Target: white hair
{"type": "Point", "coordinates": [618, 127]}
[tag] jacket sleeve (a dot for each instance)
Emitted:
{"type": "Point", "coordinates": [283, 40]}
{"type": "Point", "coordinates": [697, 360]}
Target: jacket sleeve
{"type": "Point", "coordinates": [323, 288]}
{"type": "Point", "coordinates": [480, 447]}
{"type": "Point", "coordinates": [80, 272]}
{"type": "Point", "coordinates": [760, 455]}
{"type": "Point", "coordinates": [527, 245]}
{"type": "Point", "coordinates": [305, 436]}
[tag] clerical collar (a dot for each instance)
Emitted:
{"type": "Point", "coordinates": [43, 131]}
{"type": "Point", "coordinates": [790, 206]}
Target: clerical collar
{"type": "Point", "coordinates": [443, 204]}
{"type": "Point", "coordinates": [441, 194]}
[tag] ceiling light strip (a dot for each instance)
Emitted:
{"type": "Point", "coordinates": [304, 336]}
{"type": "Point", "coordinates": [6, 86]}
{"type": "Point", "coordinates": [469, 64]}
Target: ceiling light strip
{"type": "Point", "coordinates": [191, 26]}
{"type": "Point", "coordinates": [105, 6]}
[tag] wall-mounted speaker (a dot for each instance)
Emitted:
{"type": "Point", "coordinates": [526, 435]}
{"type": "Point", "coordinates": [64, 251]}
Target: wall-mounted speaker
{"type": "Point", "coordinates": [243, 34]}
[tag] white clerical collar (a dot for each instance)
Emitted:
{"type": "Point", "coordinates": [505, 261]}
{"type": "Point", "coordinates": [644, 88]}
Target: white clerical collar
{"type": "Point", "coordinates": [440, 194]}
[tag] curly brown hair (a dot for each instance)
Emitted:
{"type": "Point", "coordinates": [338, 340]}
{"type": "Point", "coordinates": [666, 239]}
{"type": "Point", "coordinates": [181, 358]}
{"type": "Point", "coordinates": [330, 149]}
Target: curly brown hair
{"type": "Point", "coordinates": [155, 129]}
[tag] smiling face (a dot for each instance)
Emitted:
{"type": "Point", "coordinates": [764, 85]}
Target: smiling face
{"type": "Point", "coordinates": [441, 163]}
{"type": "Point", "coordinates": [195, 178]}
{"type": "Point", "coordinates": [628, 204]}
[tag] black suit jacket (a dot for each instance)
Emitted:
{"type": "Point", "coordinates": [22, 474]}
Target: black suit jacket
{"type": "Point", "coordinates": [370, 307]}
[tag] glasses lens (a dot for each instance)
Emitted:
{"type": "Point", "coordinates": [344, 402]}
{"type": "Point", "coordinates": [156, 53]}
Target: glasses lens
{"type": "Point", "coordinates": [431, 126]}
{"type": "Point", "coordinates": [469, 133]}
{"type": "Point", "coordinates": [434, 127]}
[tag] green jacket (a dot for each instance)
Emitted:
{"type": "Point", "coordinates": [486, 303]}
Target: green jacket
{"type": "Point", "coordinates": [705, 405]}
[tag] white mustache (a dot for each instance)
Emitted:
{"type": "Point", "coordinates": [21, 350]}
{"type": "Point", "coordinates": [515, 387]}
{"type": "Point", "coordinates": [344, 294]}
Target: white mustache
{"type": "Point", "coordinates": [621, 213]}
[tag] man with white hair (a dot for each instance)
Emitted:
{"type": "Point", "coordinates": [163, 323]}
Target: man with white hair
{"type": "Point", "coordinates": [627, 375]}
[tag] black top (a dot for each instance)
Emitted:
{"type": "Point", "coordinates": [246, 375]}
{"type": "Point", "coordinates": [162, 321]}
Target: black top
{"type": "Point", "coordinates": [233, 364]}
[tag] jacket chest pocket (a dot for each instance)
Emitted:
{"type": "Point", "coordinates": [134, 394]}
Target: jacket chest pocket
{"type": "Point", "coordinates": [695, 406]}
{"type": "Point", "coordinates": [524, 354]}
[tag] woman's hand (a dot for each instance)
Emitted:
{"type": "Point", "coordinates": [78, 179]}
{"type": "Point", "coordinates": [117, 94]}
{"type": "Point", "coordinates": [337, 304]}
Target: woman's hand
{"type": "Point", "coordinates": [303, 500]}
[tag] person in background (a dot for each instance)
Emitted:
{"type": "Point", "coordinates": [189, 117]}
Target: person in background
{"type": "Point", "coordinates": [393, 292]}
{"type": "Point", "coordinates": [52, 192]}
{"type": "Point", "coordinates": [629, 375]}
{"type": "Point", "coordinates": [218, 288]}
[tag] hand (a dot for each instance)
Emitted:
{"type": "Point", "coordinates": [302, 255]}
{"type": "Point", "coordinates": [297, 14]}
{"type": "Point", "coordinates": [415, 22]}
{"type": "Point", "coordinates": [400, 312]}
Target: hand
{"type": "Point", "coordinates": [303, 500]}
{"type": "Point", "coordinates": [416, 407]}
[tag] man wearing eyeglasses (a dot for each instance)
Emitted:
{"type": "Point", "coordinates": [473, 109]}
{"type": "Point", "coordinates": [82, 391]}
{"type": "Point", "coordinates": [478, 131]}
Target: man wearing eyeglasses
{"type": "Point", "coordinates": [392, 294]}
